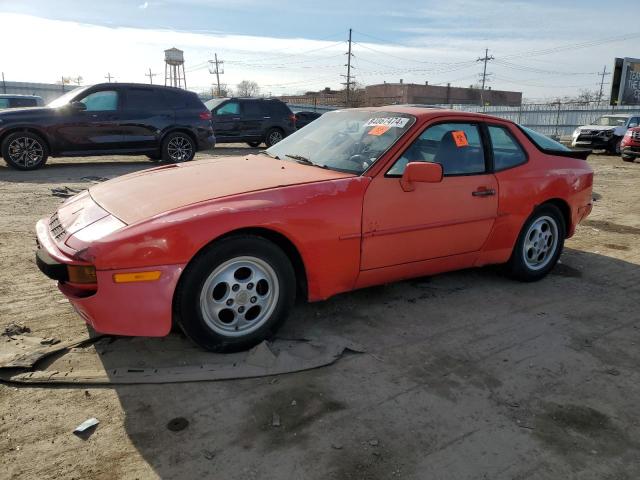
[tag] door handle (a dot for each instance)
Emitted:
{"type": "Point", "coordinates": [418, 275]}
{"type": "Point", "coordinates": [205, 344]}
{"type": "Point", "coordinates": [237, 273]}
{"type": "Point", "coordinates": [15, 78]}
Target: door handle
{"type": "Point", "coordinates": [484, 192]}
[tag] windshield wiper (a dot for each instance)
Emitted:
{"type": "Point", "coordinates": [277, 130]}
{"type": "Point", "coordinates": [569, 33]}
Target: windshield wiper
{"type": "Point", "coordinates": [264, 152]}
{"type": "Point", "coordinates": [300, 159]}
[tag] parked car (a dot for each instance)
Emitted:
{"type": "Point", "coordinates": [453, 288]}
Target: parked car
{"type": "Point", "coordinates": [359, 197]}
{"type": "Point", "coordinates": [251, 120]}
{"type": "Point", "coordinates": [108, 119]}
{"type": "Point", "coordinates": [305, 118]}
{"type": "Point", "coordinates": [605, 133]}
{"type": "Point", "coordinates": [630, 146]}
{"type": "Point", "coordinates": [19, 101]}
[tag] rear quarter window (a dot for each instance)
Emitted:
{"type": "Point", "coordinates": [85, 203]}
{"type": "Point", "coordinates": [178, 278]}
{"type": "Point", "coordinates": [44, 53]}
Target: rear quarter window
{"type": "Point", "coordinates": [507, 152]}
{"type": "Point", "coordinates": [23, 102]}
{"type": "Point", "coordinates": [178, 100]}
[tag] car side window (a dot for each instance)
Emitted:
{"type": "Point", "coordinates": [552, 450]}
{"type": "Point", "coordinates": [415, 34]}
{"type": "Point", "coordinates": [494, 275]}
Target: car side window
{"type": "Point", "coordinates": [4, 103]}
{"type": "Point", "coordinates": [456, 146]}
{"type": "Point", "coordinates": [144, 99]}
{"type": "Point", "coordinates": [507, 152]}
{"type": "Point", "coordinates": [634, 122]}
{"type": "Point", "coordinates": [252, 109]}
{"type": "Point", "coordinates": [229, 108]}
{"type": "Point", "coordinates": [103, 101]}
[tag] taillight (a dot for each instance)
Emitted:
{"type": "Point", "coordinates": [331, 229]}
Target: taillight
{"type": "Point", "coordinates": [205, 115]}
{"type": "Point", "coordinates": [293, 117]}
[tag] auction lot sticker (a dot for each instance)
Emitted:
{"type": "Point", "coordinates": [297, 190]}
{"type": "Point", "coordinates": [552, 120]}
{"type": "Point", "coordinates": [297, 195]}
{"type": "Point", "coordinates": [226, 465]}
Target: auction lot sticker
{"type": "Point", "coordinates": [399, 122]}
{"type": "Point", "coordinates": [379, 130]}
{"type": "Point", "coordinates": [460, 138]}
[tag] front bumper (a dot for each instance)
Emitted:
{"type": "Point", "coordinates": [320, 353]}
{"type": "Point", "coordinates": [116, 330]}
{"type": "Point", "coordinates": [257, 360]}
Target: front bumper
{"type": "Point", "coordinates": [595, 142]}
{"type": "Point", "coordinates": [630, 150]}
{"type": "Point", "coordinates": [134, 309]}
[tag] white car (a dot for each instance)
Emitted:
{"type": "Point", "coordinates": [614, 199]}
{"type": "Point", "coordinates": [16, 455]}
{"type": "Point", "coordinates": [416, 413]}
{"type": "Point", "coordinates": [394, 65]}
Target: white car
{"type": "Point", "coordinates": [605, 133]}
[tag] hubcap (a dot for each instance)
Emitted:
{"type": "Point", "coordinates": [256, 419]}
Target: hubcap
{"type": "Point", "coordinates": [275, 137]}
{"type": "Point", "coordinates": [179, 149]}
{"type": "Point", "coordinates": [26, 151]}
{"type": "Point", "coordinates": [239, 296]}
{"type": "Point", "coordinates": [540, 243]}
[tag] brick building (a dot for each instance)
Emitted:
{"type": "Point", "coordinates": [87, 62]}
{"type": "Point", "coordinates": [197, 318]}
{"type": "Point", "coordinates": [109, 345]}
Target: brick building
{"type": "Point", "coordinates": [400, 93]}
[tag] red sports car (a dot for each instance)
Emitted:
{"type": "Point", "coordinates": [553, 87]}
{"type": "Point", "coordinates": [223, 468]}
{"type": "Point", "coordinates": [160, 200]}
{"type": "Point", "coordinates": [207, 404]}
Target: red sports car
{"type": "Point", "coordinates": [360, 197]}
{"type": "Point", "coordinates": [630, 145]}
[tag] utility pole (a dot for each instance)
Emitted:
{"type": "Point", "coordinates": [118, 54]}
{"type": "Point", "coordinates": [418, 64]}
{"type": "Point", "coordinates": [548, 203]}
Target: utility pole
{"type": "Point", "coordinates": [4, 85]}
{"type": "Point", "coordinates": [603, 74]}
{"type": "Point", "coordinates": [108, 76]}
{"type": "Point", "coordinates": [150, 75]}
{"type": "Point", "coordinates": [216, 69]}
{"type": "Point", "coordinates": [348, 75]}
{"type": "Point", "coordinates": [484, 59]}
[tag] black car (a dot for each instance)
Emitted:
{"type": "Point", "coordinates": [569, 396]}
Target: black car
{"type": "Point", "coordinates": [19, 101]}
{"type": "Point", "coordinates": [251, 120]}
{"type": "Point", "coordinates": [108, 119]}
{"type": "Point", "coordinates": [305, 118]}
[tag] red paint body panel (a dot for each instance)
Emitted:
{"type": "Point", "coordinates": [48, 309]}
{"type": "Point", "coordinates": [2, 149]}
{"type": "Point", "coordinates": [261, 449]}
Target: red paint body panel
{"type": "Point", "coordinates": [350, 231]}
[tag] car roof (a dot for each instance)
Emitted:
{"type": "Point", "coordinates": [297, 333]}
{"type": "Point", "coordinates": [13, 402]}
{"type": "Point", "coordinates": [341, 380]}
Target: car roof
{"type": "Point", "coordinates": [428, 111]}
{"type": "Point", "coordinates": [140, 85]}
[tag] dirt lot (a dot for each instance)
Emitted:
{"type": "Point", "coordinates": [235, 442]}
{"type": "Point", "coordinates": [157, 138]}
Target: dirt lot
{"type": "Point", "coordinates": [468, 375]}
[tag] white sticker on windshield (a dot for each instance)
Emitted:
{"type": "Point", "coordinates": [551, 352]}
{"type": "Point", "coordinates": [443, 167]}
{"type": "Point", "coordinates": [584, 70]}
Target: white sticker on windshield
{"type": "Point", "coordinates": [399, 122]}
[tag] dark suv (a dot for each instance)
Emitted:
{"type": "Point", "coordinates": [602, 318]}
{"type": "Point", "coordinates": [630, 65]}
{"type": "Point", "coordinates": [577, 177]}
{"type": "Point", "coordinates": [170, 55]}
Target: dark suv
{"type": "Point", "coordinates": [108, 119]}
{"type": "Point", "coordinates": [251, 120]}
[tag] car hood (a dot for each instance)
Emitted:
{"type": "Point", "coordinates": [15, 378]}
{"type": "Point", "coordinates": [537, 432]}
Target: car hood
{"type": "Point", "coordinates": [596, 127]}
{"type": "Point", "coordinates": [25, 112]}
{"type": "Point", "coordinates": [142, 195]}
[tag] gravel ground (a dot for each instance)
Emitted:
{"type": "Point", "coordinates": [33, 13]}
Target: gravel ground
{"type": "Point", "coordinates": [468, 375]}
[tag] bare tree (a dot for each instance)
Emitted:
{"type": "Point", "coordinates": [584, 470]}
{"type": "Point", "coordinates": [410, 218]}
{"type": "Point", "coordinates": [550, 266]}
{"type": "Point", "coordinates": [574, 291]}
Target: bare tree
{"type": "Point", "coordinates": [247, 88]}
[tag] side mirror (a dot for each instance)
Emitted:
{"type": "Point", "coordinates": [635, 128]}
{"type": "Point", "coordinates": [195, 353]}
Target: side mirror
{"type": "Point", "coordinates": [423, 172]}
{"type": "Point", "coordinates": [78, 106]}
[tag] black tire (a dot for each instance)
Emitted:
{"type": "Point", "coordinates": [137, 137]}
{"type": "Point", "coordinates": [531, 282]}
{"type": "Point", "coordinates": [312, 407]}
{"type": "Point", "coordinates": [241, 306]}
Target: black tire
{"type": "Point", "coordinates": [273, 136]}
{"type": "Point", "coordinates": [25, 151]}
{"type": "Point", "coordinates": [525, 254]}
{"type": "Point", "coordinates": [155, 157]}
{"type": "Point", "coordinates": [200, 282]}
{"type": "Point", "coordinates": [178, 147]}
{"type": "Point", "coordinates": [254, 144]}
{"type": "Point", "coordinates": [626, 158]}
{"type": "Point", "coordinates": [615, 146]}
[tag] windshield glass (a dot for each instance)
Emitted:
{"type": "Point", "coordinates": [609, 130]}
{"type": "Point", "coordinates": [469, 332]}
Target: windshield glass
{"type": "Point", "coordinates": [66, 98]}
{"type": "Point", "coordinates": [214, 102]}
{"type": "Point", "coordinates": [543, 141]}
{"type": "Point", "coordinates": [608, 121]}
{"type": "Point", "coordinates": [344, 140]}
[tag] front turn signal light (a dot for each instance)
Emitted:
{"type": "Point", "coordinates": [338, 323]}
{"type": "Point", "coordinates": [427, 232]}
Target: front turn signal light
{"type": "Point", "coordinates": [82, 274]}
{"type": "Point", "coordinates": [149, 276]}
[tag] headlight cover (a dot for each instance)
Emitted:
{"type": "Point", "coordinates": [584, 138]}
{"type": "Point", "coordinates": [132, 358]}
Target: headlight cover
{"type": "Point", "coordinates": [95, 231]}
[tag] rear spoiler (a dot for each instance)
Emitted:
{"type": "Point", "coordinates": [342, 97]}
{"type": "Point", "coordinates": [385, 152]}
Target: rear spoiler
{"type": "Point", "coordinates": [581, 154]}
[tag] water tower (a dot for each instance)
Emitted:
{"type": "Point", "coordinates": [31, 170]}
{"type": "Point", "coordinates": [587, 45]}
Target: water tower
{"type": "Point", "coordinates": [173, 62]}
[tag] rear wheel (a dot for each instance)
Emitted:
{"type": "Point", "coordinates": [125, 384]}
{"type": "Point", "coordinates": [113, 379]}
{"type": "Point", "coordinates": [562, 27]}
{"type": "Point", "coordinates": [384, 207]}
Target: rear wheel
{"type": "Point", "coordinates": [25, 151]}
{"type": "Point", "coordinates": [254, 144]}
{"type": "Point", "coordinates": [178, 147]}
{"type": "Point", "coordinates": [539, 244]}
{"type": "Point", "coordinates": [274, 135]}
{"type": "Point", "coordinates": [235, 294]}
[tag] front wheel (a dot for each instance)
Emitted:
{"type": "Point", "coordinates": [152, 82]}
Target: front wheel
{"type": "Point", "coordinates": [25, 151]}
{"type": "Point", "coordinates": [539, 244]}
{"type": "Point", "coordinates": [235, 294]}
{"type": "Point", "coordinates": [616, 146]}
{"type": "Point", "coordinates": [178, 147]}
{"type": "Point", "coordinates": [254, 144]}
{"type": "Point", "coordinates": [626, 158]}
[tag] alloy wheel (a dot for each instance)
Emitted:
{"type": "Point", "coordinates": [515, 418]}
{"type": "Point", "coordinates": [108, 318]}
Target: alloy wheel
{"type": "Point", "coordinates": [239, 296]}
{"type": "Point", "coordinates": [179, 149]}
{"type": "Point", "coordinates": [275, 137]}
{"type": "Point", "coordinates": [26, 152]}
{"type": "Point", "coordinates": [541, 243]}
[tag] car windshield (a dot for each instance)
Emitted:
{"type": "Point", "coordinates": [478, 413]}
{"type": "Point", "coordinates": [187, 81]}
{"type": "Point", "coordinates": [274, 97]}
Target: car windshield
{"type": "Point", "coordinates": [344, 140]}
{"type": "Point", "coordinates": [609, 121]}
{"type": "Point", "coordinates": [544, 142]}
{"type": "Point", "coordinates": [66, 98]}
{"type": "Point", "coordinates": [214, 102]}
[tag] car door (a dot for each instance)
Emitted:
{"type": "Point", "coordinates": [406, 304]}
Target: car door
{"type": "Point", "coordinates": [226, 121]}
{"type": "Point", "coordinates": [252, 116]}
{"type": "Point", "coordinates": [434, 220]}
{"type": "Point", "coordinates": [146, 113]}
{"type": "Point", "coordinates": [96, 126]}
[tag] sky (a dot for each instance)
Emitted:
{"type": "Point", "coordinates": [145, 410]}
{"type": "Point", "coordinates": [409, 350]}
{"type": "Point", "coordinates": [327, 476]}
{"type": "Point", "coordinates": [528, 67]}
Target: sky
{"type": "Point", "coordinates": [543, 48]}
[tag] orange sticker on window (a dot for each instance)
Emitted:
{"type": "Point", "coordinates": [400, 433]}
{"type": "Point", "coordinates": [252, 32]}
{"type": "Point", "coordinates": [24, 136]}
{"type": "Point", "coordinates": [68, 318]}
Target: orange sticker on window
{"type": "Point", "coordinates": [460, 138]}
{"type": "Point", "coordinates": [379, 130]}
